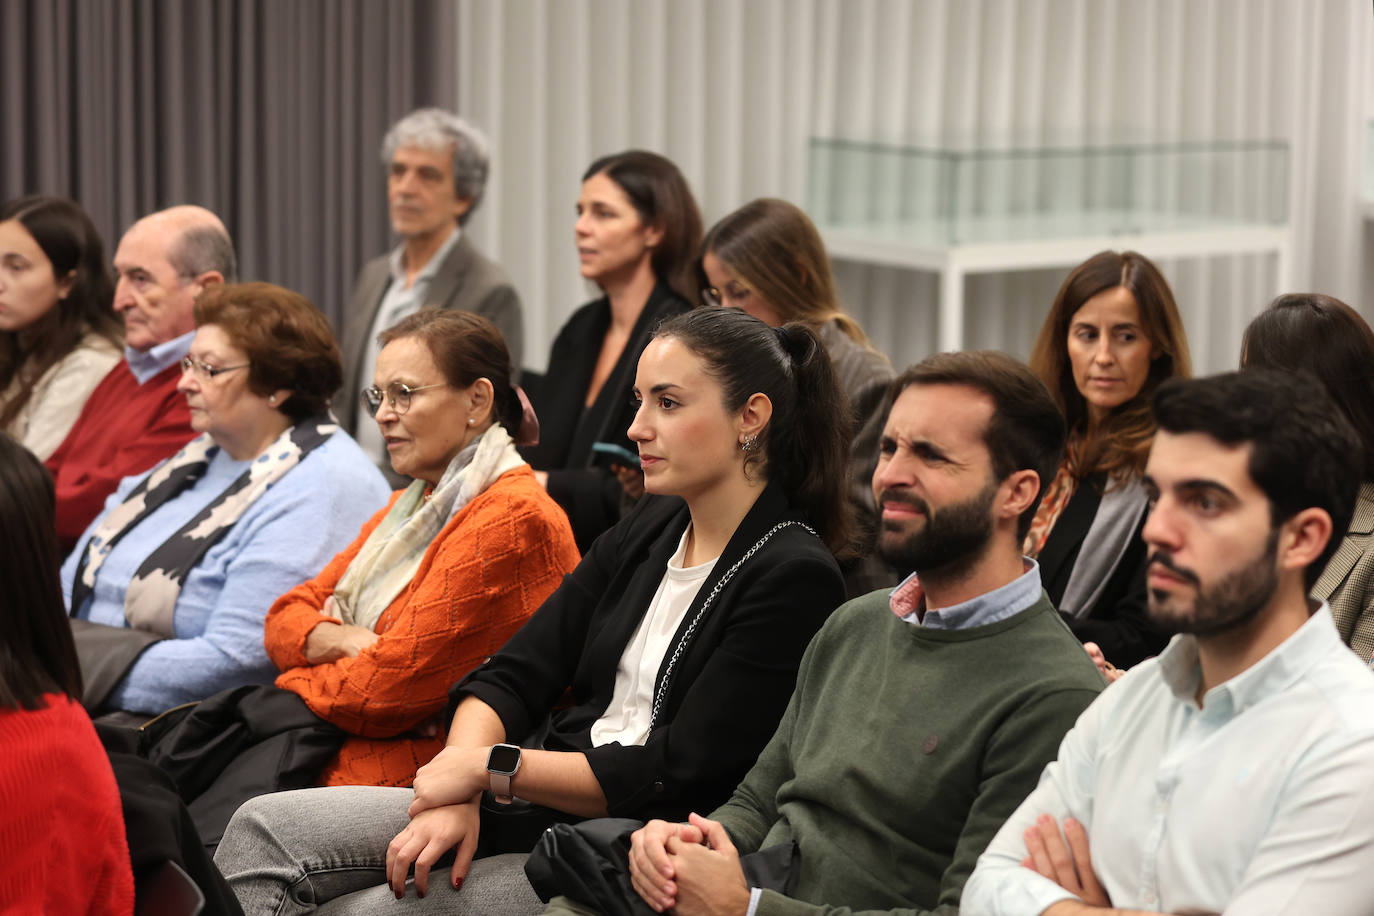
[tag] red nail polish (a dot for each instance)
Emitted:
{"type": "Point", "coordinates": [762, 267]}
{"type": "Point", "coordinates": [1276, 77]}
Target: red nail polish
{"type": "Point", "coordinates": [458, 885]}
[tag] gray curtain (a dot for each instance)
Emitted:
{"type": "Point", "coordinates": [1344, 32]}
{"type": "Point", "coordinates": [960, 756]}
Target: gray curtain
{"type": "Point", "coordinates": [269, 112]}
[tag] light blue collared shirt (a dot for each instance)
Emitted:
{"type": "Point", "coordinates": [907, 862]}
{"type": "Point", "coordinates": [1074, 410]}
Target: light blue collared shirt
{"type": "Point", "coordinates": [907, 599]}
{"type": "Point", "coordinates": [145, 364]}
{"type": "Point", "coordinates": [1260, 800]}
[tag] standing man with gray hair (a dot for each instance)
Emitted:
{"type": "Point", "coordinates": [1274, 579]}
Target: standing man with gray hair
{"type": "Point", "coordinates": [136, 417]}
{"type": "Point", "coordinates": [437, 167]}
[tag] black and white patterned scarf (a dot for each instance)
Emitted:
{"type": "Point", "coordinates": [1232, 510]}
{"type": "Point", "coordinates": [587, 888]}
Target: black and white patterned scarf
{"type": "Point", "coordinates": [152, 593]}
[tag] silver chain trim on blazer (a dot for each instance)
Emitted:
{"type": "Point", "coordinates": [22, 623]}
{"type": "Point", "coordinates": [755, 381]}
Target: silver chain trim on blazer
{"type": "Point", "coordinates": [681, 646]}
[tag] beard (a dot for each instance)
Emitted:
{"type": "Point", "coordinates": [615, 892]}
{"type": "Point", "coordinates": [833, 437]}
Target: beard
{"type": "Point", "coordinates": [948, 544]}
{"type": "Point", "coordinates": [1232, 602]}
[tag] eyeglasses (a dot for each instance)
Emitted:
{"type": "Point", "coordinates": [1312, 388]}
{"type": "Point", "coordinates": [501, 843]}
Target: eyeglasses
{"type": "Point", "coordinates": [397, 394]}
{"type": "Point", "coordinates": [204, 371]}
{"type": "Point", "coordinates": [716, 297]}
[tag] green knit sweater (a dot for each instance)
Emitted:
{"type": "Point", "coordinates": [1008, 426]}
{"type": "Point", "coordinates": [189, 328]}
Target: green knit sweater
{"type": "Point", "coordinates": [903, 750]}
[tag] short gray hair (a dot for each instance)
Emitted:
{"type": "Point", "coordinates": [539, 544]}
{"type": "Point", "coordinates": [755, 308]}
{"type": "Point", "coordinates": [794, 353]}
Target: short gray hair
{"type": "Point", "coordinates": [436, 129]}
{"type": "Point", "coordinates": [203, 248]}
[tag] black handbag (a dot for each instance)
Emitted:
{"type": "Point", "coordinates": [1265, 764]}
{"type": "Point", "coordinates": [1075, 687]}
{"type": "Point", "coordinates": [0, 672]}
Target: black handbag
{"type": "Point", "coordinates": [590, 862]}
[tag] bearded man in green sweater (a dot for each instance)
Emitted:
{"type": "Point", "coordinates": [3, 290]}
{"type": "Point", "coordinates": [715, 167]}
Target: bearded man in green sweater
{"type": "Point", "coordinates": [922, 716]}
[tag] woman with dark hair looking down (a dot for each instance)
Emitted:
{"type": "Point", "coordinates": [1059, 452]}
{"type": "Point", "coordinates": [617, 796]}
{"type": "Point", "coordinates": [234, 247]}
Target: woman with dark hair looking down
{"type": "Point", "coordinates": [63, 848]}
{"type": "Point", "coordinates": [1324, 337]}
{"type": "Point", "coordinates": [1111, 337]}
{"type": "Point", "coordinates": [646, 685]}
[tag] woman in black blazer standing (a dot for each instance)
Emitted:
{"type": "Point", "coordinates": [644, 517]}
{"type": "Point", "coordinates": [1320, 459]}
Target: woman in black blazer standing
{"type": "Point", "coordinates": [1111, 337]}
{"type": "Point", "coordinates": [647, 684]}
{"type": "Point", "coordinates": [637, 233]}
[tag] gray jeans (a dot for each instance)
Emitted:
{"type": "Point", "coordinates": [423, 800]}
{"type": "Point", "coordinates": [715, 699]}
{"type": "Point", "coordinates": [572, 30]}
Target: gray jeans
{"type": "Point", "coordinates": [325, 850]}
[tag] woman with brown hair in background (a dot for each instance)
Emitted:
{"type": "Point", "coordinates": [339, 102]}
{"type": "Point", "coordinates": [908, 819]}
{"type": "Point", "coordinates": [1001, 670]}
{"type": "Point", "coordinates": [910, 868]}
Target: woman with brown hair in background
{"type": "Point", "coordinates": [768, 259]}
{"type": "Point", "coordinates": [1111, 337]}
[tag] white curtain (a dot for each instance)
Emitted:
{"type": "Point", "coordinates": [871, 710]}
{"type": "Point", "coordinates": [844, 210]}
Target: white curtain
{"type": "Point", "coordinates": [732, 90]}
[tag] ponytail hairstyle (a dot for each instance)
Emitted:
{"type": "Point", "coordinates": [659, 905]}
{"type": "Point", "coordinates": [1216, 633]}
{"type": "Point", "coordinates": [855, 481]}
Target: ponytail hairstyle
{"type": "Point", "coordinates": [803, 446]}
{"type": "Point", "coordinates": [37, 655]}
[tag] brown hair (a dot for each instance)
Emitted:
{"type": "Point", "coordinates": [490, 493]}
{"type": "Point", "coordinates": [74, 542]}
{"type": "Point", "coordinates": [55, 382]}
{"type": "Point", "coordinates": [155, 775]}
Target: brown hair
{"type": "Point", "coordinates": [287, 341]}
{"type": "Point", "coordinates": [1121, 444]}
{"type": "Point", "coordinates": [70, 242]}
{"type": "Point", "coordinates": [774, 247]}
{"type": "Point", "coordinates": [465, 346]}
{"type": "Point", "coordinates": [1324, 337]}
{"type": "Point", "coordinates": [1026, 431]}
{"type": "Point", "coordinates": [662, 199]}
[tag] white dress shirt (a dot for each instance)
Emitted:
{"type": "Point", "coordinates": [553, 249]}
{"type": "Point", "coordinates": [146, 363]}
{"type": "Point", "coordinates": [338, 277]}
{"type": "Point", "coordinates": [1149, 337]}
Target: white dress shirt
{"type": "Point", "coordinates": [1259, 801]}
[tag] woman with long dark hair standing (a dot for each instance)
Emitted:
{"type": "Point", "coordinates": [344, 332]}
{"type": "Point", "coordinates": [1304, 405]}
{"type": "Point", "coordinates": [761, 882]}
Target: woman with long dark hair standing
{"type": "Point", "coordinates": [637, 232]}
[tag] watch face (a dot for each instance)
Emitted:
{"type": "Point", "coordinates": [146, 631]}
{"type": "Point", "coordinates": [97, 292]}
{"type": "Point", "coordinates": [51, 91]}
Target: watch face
{"type": "Point", "coordinates": [503, 758]}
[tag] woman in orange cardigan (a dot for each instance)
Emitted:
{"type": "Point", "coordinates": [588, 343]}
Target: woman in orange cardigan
{"type": "Point", "coordinates": [440, 578]}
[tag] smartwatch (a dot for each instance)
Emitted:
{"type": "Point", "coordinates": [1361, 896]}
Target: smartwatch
{"type": "Point", "coordinates": [502, 763]}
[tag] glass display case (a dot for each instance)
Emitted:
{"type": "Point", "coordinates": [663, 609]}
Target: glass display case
{"type": "Point", "coordinates": [958, 209]}
{"type": "Point", "coordinates": [961, 194]}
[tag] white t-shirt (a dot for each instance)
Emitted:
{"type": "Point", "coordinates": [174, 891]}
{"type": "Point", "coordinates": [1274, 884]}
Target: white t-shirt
{"type": "Point", "coordinates": [626, 719]}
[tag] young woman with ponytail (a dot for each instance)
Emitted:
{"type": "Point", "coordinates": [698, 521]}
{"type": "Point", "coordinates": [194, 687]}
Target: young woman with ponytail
{"type": "Point", "coordinates": [647, 684]}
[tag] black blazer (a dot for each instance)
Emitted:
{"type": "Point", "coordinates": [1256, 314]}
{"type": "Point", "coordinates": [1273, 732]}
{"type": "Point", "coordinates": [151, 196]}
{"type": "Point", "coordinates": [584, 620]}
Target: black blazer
{"type": "Point", "coordinates": [567, 428]}
{"type": "Point", "coordinates": [1118, 622]}
{"type": "Point", "coordinates": [731, 681]}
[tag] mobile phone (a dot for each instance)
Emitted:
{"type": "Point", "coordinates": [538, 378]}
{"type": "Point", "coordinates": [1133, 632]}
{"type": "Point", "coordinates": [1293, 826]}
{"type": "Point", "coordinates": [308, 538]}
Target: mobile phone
{"type": "Point", "coordinates": [609, 455]}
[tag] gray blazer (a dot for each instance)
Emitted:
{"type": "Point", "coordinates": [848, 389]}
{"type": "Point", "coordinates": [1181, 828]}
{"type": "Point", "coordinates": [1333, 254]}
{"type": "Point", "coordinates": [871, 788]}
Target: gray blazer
{"type": "Point", "coordinates": [1347, 583]}
{"type": "Point", "coordinates": [465, 280]}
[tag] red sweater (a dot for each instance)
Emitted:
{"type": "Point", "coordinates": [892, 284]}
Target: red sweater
{"type": "Point", "coordinates": [482, 577]}
{"type": "Point", "coordinates": [62, 845]}
{"type": "Point", "coordinates": [125, 428]}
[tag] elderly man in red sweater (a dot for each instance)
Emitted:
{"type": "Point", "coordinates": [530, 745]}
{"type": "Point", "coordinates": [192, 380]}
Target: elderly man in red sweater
{"type": "Point", "coordinates": [135, 417]}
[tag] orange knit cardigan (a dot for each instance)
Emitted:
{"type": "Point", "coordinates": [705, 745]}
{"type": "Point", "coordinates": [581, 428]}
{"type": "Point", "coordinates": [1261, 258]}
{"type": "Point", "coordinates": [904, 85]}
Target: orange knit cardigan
{"type": "Point", "coordinates": [484, 574]}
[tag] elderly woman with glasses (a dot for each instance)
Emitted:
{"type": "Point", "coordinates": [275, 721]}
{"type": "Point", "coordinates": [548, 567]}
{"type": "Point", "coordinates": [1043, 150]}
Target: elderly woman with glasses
{"type": "Point", "coordinates": [175, 577]}
{"type": "Point", "coordinates": [438, 580]}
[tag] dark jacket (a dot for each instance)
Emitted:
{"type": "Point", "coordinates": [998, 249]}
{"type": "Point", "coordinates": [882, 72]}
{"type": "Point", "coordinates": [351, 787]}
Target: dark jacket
{"type": "Point", "coordinates": [567, 428]}
{"type": "Point", "coordinates": [1118, 621]}
{"type": "Point", "coordinates": [731, 681]}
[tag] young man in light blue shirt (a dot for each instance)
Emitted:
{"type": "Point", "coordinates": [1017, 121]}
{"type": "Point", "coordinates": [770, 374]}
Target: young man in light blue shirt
{"type": "Point", "coordinates": [1235, 773]}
